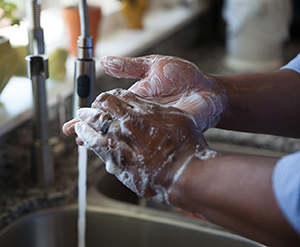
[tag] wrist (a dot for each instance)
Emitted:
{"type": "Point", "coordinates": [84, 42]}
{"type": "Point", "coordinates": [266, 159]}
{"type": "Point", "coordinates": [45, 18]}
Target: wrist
{"type": "Point", "coordinates": [179, 192]}
{"type": "Point", "coordinates": [228, 99]}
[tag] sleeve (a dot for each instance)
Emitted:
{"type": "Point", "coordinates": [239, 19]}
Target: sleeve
{"type": "Point", "coordinates": [286, 188]}
{"type": "Point", "coordinates": [294, 64]}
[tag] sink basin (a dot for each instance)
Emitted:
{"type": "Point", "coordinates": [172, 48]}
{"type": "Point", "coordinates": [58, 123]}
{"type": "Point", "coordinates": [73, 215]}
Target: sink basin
{"type": "Point", "coordinates": [111, 187]}
{"type": "Point", "coordinates": [109, 227]}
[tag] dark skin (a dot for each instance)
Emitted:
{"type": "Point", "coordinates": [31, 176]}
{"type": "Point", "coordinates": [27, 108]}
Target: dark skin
{"type": "Point", "coordinates": [232, 191]}
{"type": "Point", "coordinates": [263, 103]}
{"type": "Point", "coordinates": [236, 193]}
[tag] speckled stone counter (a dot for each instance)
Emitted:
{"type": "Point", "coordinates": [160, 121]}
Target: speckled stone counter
{"type": "Point", "coordinates": [19, 195]}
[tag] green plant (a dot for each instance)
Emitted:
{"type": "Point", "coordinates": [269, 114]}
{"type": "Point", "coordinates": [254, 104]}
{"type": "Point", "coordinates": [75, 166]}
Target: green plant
{"type": "Point", "coordinates": [8, 11]}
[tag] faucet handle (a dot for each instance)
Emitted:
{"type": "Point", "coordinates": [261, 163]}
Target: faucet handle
{"type": "Point", "coordinates": [37, 65]}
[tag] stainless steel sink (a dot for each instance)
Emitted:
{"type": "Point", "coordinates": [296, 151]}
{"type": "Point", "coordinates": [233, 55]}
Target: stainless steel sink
{"type": "Point", "coordinates": [111, 227]}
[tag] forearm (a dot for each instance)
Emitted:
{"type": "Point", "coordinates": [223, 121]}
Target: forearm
{"type": "Point", "coordinates": [235, 192]}
{"type": "Point", "coordinates": [262, 103]}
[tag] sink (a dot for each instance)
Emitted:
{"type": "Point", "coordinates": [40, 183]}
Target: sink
{"type": "Point", "coordinates": [110, 227]}
{"type": "Point", "coordinates": [111, 187]}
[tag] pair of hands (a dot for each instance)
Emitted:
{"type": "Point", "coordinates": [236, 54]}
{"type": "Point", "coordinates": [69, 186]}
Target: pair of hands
{"type": "Point", "coordinates": [147, 135]}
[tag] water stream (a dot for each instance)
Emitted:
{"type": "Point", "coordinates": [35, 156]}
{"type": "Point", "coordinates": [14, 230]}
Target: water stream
{"type": "Point", "coordinates": [82, 164]}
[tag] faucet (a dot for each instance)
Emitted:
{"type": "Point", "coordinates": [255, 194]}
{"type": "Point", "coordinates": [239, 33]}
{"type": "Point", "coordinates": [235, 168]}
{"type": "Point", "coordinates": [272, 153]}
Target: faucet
{"type": "Point", "coordinates": [37, 72]}
{"type": "Point", "coordinates": [84, 65]}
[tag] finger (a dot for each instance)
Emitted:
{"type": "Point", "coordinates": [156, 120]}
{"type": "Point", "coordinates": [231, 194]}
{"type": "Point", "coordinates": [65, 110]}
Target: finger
{"type": "Point", "coordinates": [152, 86]}
{"type": "Point", "coordinates": [125, 67]}
{"type": "Point", "coordinates": [112, 104]}
{"type": "Point", "coordinates": [143, 88]}
{"type": "Point", "coordinates": [79, 142]}
{"type": "Point", "coordinates": [157, 83]}
{"type": "Point", "coordinates": [135, 101]}
{"type": "Point", "coordinates": [90, 138]}
{"type": "Point", "coordinates": [100, 145]}
{"type": "Point", "coordinates": [96, 118]}
{"type": "Point", "coordinates": [68, 127]}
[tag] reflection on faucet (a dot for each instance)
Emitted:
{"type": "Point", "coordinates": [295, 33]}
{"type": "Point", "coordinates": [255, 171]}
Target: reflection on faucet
{"type": "Point", "coordinates": [37, 71]}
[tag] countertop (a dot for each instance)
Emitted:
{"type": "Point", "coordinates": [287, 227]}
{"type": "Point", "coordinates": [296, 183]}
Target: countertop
{"type": "Point", "coordinates": [20, 196]}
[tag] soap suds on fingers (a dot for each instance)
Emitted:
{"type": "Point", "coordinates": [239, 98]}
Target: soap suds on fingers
{"type": "Point", "coordinates": [147, 145]}
{"type": "Point", "coordinates": [174, 82]}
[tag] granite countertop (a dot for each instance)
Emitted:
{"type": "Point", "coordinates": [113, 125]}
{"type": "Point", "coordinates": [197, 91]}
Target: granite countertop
{"type": "Point", "coordinates": [20, 195]}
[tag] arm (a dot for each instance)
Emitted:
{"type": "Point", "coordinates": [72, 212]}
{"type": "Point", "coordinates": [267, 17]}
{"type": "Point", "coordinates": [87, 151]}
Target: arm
{"type": "Point", "coordinates": [263, 103]}
{"type": "Point", "coordinates": [235, 192]}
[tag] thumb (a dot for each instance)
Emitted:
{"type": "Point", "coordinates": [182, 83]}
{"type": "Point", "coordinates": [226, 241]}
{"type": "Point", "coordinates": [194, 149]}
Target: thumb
{"type": "Point", "coordinates": [126, 67]}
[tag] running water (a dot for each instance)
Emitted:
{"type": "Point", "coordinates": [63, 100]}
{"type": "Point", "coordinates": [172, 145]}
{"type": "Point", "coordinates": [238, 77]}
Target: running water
{"type": "Point", "coordinates": [82, 163]}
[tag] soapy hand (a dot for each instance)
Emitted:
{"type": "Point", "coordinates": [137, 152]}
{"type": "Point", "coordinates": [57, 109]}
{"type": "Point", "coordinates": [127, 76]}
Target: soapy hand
{"type": "Point", "coordinates": [145, 144]}
{"type": "Point", "coordinates": [173, 82]}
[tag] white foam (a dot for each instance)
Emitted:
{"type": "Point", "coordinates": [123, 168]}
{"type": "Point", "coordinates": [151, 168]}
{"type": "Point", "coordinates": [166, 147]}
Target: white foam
{"type": "Point", "coordinates": [128, 179]}
{"type": "Point", "coordinates": [111, 167]}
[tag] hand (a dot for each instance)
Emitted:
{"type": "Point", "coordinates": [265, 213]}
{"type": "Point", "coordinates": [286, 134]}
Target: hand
{"type": "Point", "coordinates": [145, 144]}
{"type": "Point", "coordinates": [173, 82]}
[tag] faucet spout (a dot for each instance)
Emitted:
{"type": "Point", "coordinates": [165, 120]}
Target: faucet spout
{"type": "Point", "coordinates": [37, 71]}
{"type": "Point", "coordinates": [84, 65]}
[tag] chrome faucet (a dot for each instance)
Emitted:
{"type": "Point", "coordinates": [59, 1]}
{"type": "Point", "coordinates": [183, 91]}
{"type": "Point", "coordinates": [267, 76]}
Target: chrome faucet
{"type": "Point", "coordinates": [84, 65]}
{"type": "Point", "coordinates": [37, 72]}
